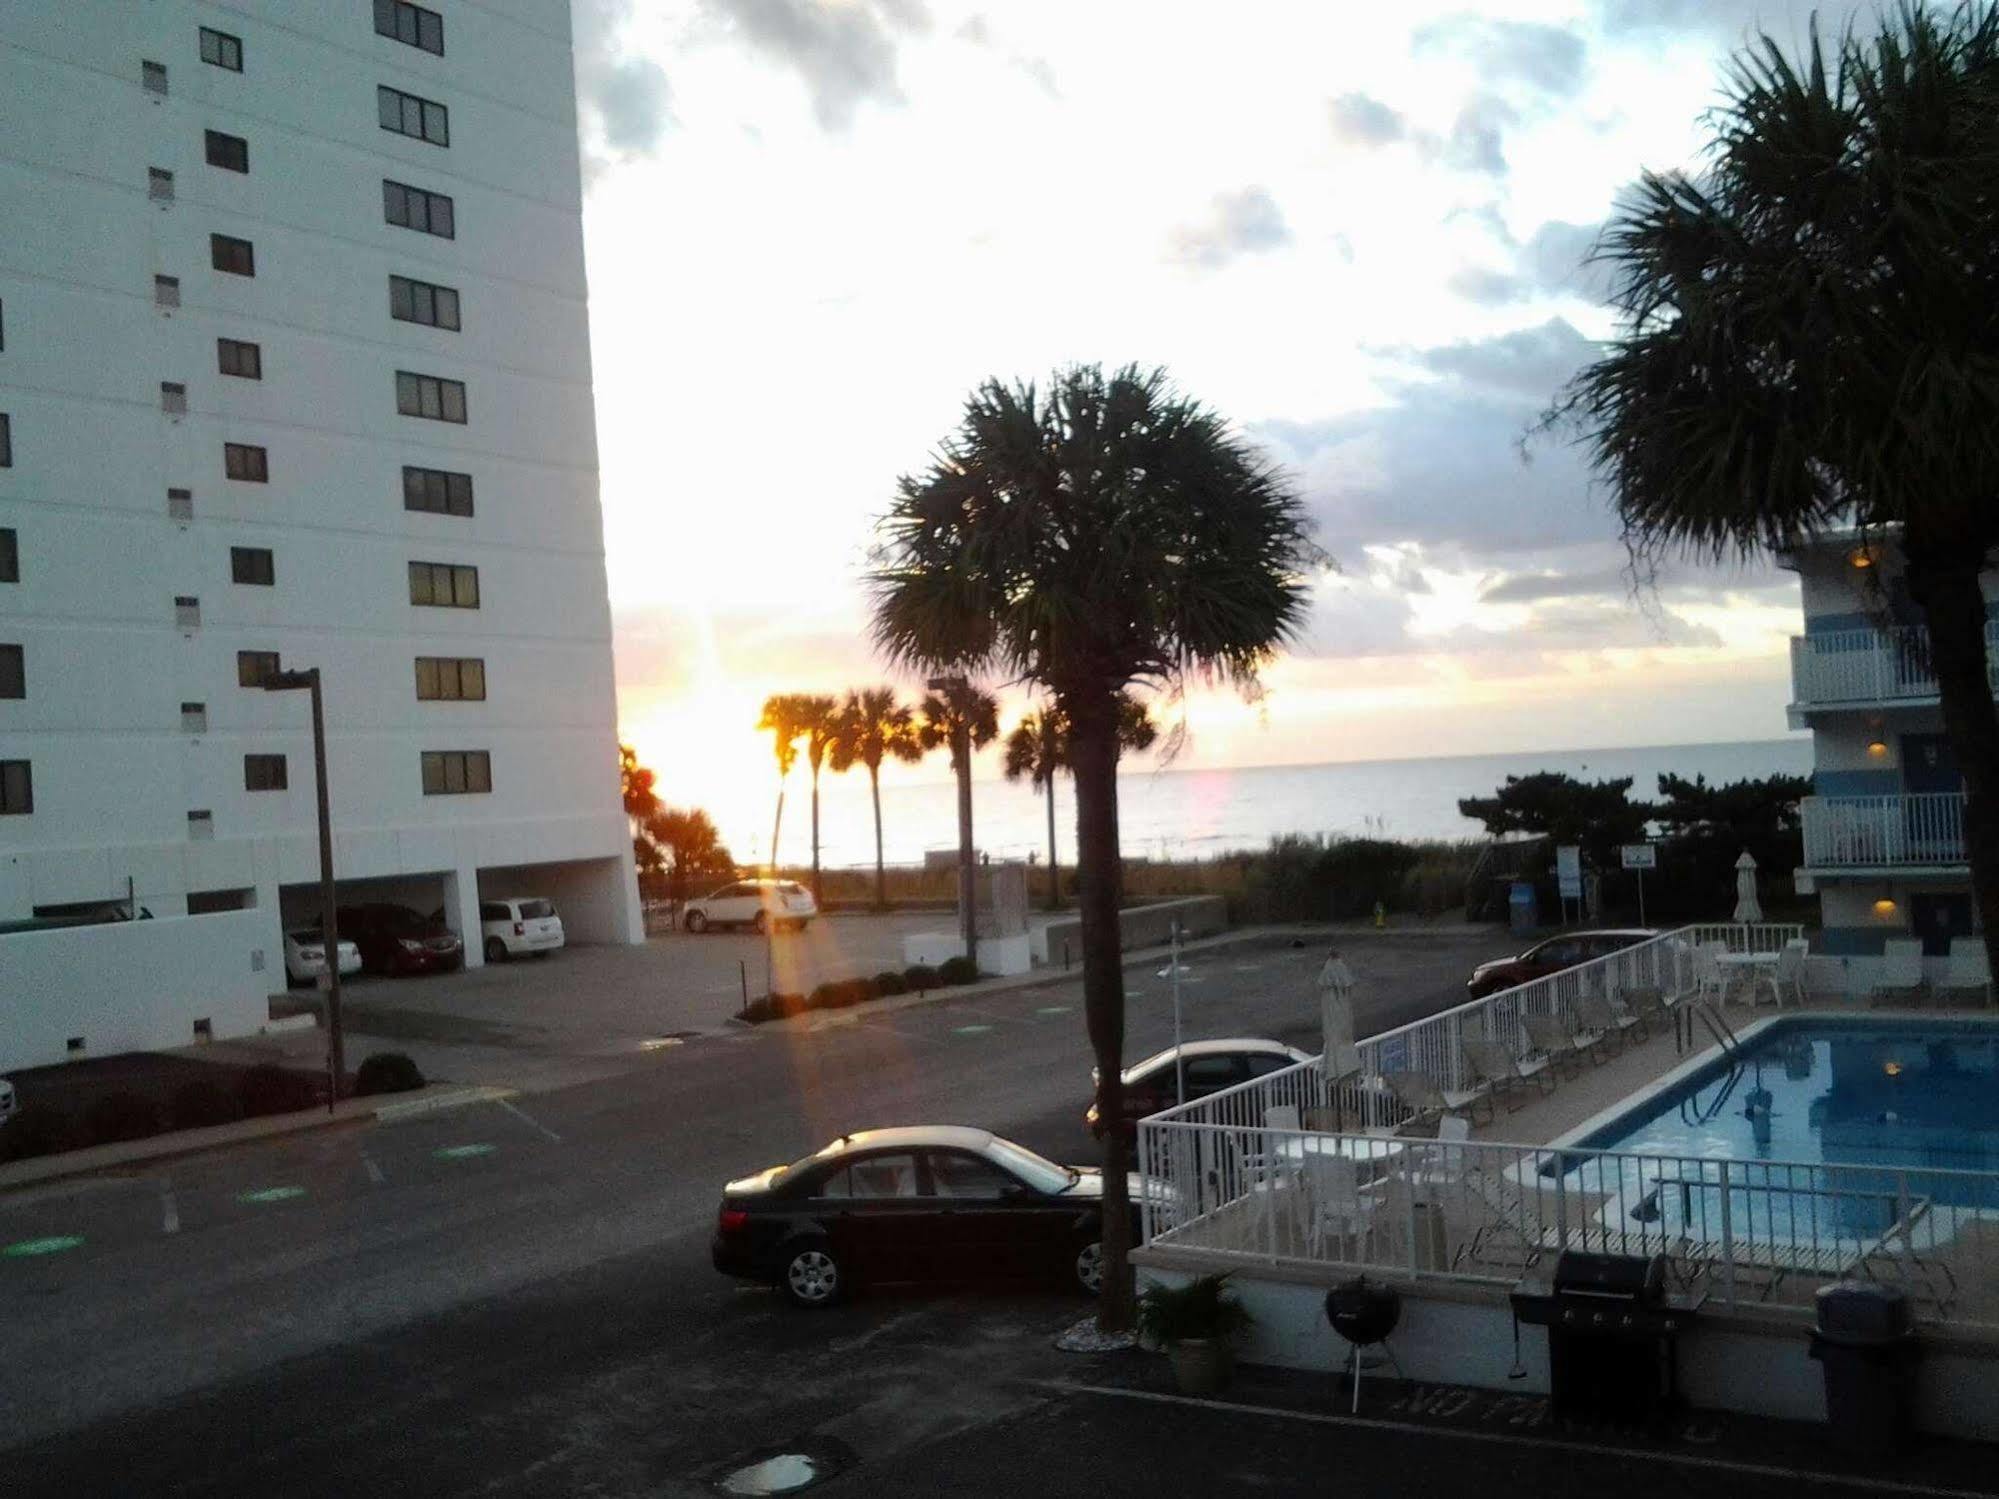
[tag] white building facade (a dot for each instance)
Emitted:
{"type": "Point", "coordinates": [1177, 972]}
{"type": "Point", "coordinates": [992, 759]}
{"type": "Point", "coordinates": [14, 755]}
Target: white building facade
{"type": "Point", "coordinates": [294, 372]}
{"type": "Point", "coordinates": [1884, 826]}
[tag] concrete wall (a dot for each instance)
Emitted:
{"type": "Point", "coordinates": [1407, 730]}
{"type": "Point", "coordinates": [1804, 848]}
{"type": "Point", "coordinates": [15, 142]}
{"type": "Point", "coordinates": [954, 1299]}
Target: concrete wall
{"type": "Point", "coordinates": [1458, 1334]}
{"type": "Point", "coordinates": [1138, 926]}
{"type": "Point", "coordinates": [134, 985]}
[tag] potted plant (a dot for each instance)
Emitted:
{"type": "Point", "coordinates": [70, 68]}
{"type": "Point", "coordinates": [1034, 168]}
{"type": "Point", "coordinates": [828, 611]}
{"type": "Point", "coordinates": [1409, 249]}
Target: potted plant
{"type": "Point", "coordinates": [1193, 1323]}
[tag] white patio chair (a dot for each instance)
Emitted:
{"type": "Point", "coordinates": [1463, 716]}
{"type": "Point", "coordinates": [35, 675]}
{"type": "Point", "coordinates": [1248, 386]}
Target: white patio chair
{"type": "Point", "coordinates": [1710, 977]}
{"type": "Point", "coordinates": [1968, 971]}
{"type": "Point", "coordinates": [1788, 977]}
{"type": "Point", "coordinates": [1335, 1206]}
{"type": "Point", "coordinates": [1427, 1099]}
{"type": "Point", "coordinates": [1496, 1065]}
{"type": "Point", "coordinates": [1901, 970]}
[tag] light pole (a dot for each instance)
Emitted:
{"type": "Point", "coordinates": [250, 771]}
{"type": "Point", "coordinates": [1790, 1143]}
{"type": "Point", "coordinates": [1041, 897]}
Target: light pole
{"type": "Point", "coordinates": [329, 925]}
{"type": "Point", "coordinates": [957, 692]}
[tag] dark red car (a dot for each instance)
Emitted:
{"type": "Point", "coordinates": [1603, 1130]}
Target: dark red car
{"type": "Point", "coordinates": [395, 939]}
{"type": "Point", "coordinates": [1552, 955]}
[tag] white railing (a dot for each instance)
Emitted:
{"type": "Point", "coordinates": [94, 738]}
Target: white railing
{"type": "Point", "coordinates": [1924, 829]}
{"type": "Point", "coordinates": [1872, 666]}
{"type": "Point", "coordinates": [1740, 1232]}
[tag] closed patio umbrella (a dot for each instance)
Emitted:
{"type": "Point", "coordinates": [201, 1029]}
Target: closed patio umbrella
{"type": "Point", "coordinates": [1341, 1058]}
{"type": "Point", "coordinates": [1746, 906]}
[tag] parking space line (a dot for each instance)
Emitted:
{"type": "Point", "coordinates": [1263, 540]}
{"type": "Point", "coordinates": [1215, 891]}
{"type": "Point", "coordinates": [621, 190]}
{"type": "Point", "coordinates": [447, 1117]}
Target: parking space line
{"type": "Point", "coordinates": [169, 1209]}
{"type": "Point", "coordinates": [524, 1118]}
{"type": "Point", "coordinates": [374, 1171]}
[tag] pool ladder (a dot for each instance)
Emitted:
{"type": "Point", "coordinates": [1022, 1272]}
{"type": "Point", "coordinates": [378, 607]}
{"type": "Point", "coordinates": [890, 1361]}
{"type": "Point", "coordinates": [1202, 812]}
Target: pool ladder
{"type": "Point", "coordinates": [1691, 1110]}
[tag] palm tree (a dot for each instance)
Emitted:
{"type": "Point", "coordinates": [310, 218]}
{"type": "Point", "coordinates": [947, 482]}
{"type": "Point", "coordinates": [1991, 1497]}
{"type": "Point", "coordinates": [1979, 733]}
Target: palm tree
{"type": "Point", "coordinates": [695, 850]}
{"type": "Point", "coordinates": [637, 784]}
{"type": "Point", "coordinates": [940, 712]}
{"type": "Point", "coordinates": [1808, 335]}
{"type": "Point", "coordinates": [781, 720]}
{"type": "Point", "coordinates": [1105, 533]}
{"type": "Point", "coordinates": [818, 720]}
{"type": "Point", "coordinates": [875, 727]}
{"type": "Point", "coordinates": [1038, 747]}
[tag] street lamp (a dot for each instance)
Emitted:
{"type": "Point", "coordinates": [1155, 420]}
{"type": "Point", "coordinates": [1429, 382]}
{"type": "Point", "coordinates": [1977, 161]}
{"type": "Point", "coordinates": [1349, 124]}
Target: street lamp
{"type": "Point", "coordinates": [329, 925]}
{"type": "Point", "coordinates": [957, 690]}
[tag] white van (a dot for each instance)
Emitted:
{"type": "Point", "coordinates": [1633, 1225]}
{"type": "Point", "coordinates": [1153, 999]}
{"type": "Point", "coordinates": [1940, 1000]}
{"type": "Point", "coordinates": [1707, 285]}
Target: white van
{"type": "Point", "coordinates": [514, 928]}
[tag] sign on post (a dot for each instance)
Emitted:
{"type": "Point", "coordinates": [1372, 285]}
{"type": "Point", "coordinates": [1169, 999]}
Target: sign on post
{"type": "Point", "coordinates": [1639, 857]}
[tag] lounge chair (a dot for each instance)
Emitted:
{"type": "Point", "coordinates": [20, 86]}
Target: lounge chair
{"type": "Point", "coordinates": [1505, 1074]}
{"type": "Point", "coordinates": [1510, 1233]}
{"type": "Point", "coordinates": [1607, 1021]}
{"type": "Point", "coordinates": [1335, 1206]}
{"type": "Point", "coordinates": [1650, 1007]}
{"type": "Point", "coordinates": [1967, 971]}
{"type": "Point", "coordinates": [1554, 1042]}
{"type": "Point", "coordinates": [1901, 975]}
{"type": "Point", "coordinates": [1788, 976]}
{"type": "Point", "coordinates": [1426, 1099]}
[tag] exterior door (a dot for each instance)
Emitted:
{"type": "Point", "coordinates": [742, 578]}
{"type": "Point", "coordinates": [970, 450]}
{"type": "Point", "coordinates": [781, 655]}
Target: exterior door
{"type": "Point", "coordinates": [1928, 764]}
{"type": "Point", "coordinates": [1937, 919]}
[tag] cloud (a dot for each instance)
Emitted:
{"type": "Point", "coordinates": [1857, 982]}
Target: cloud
{"type": "Point", "coordinates": [1485, 286]}
{"type": "Point", "coordinates": [1534, 588]}
{"type": "Point", "coordinates": [845, 53]}
{"type": "Point", "coordinates": [1557, 257]}
{"type": "Point", "coordinates": [1244, 222]}
{"type": "Point", "coordinates": [622, 97]}
{"type": "Point", "coordinates": [1477, 139]}
{"type": "Point", "coordinates": [1730, 21]}
{"type": "Point", "coordinates": [1531, 362]}
{"type": "Point", "coordinates": [1360, 120]}
{"type": "Point", "coordinates": [1544, 60]}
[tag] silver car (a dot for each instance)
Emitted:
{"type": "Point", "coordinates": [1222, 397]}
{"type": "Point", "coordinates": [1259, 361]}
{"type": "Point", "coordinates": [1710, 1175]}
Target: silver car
{"type": "Point", "coordinates": [760, 905]}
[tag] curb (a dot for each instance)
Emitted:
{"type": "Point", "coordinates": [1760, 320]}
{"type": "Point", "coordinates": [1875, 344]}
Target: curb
{"type": "Point", "coordinates": [176, 1144]}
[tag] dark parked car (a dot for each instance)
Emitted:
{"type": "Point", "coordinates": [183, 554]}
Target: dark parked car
{"type": "Point", "coordinates": [395, 939]}
{"type": "Point", "coordinates": [1551, 956]}
{"type": "Point", "coordinates": [922, 1203]}
{"type": "Point", "coordinates": [1154, 1084]}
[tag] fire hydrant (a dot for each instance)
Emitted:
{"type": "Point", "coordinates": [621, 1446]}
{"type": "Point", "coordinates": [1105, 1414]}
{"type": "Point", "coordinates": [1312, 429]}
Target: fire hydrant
{"type": "Point", "coordinates": [1380, 916]}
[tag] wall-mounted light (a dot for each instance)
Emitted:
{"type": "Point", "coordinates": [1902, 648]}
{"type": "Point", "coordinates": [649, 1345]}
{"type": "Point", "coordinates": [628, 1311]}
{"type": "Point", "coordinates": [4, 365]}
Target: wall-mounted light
{"type": "Point", "coordinates": [1893, 1069]}
{"type": "Point", "coordinates": [1877, 749]}
{"type": "Point", "coordinates": [1860, 557]}
{"type": "Point", "coordinates": [1884, 907]}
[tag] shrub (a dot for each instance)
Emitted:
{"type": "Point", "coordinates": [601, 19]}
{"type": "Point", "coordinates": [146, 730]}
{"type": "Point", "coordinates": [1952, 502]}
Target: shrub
{"type": "Point", "coordinates": [919, 976]}
{"type": "Point", "coordinates": [958, 971]}
{"type": "Point", "coordinates": [791, 1004]}
{"type": "Point", "coordinates": [269, 1089]}
{"type": "Point", "coordinates": [387, 1072]}
{"type": "Point", "coordinates": [889, 983]}
{"type": "Point", "coordinates": [759, 1010]}
{"type": "Point", "coordinates": [832, 995]}
{"type": "Point", "coordinates": [36, 1129]}
{"type": "Point", "coordinates": [202, 1103]}
{"type": "Point", "coordinates": [121, 1116]}
{"type": "Point", "coordinates": [1200, 1309]}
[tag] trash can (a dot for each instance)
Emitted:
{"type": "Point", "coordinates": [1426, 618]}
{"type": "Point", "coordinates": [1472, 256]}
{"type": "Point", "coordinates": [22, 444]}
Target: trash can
{"type": "Point", "coordinates": [1520, 908]}
{"type": "Point", "coordinates": [1866, 1343]}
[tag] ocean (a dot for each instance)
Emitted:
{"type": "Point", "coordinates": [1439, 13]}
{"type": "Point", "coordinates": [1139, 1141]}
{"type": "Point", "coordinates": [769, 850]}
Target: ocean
{"type": "Point", "coordinates": [1196, 813]}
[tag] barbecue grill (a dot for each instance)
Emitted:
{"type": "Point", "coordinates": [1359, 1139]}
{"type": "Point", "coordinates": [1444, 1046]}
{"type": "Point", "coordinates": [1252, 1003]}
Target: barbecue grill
{"type": "Point", "coordinates": [1612, 1331]}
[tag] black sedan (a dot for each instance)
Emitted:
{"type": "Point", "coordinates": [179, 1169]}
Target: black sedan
{"type": "Point", "coordinates": [924, 1203]}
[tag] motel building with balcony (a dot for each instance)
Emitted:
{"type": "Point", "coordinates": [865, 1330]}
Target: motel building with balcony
{"type": "Point", "coordinates": [1884, 841]}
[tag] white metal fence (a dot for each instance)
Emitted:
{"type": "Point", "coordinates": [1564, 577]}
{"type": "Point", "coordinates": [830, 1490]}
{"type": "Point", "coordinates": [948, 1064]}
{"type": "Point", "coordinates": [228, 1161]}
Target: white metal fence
{"type": "Point", "coordinates": [1871, 666]}
{"type": "Point", "coordinates": [1926, 828]}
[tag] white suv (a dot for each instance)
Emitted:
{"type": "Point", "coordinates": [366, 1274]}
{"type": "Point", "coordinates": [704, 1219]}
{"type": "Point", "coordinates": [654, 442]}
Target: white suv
{"type": "Point", "coordinates": [758, 904]}
{"type": "Point", "coordinates": [514, 928]}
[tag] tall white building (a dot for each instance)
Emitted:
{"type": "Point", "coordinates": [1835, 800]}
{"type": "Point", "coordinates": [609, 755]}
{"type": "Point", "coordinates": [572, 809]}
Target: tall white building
{"type": "Point", "coordinates": [294, 371]}
{"type": "Point", "coordinates": [1884, 827]}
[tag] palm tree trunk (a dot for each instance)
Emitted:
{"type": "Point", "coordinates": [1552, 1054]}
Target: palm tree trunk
{"type": "Point", "coordinates": [776, 823]}
{"type": "Point", "coordinates": [818, 895]}
{"type": "Point", "coordinates": [1093, 762]}
{"type": "Point", "coordinates": [881, 875]}
{"type": "Point", "coordinates": [1054, 882]}
{"type": "Point", "coordinates": [1954, 607]}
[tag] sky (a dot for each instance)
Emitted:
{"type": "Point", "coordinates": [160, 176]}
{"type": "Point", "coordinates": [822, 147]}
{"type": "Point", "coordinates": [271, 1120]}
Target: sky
{"type": "Point", "coordinates": [1357, 231]}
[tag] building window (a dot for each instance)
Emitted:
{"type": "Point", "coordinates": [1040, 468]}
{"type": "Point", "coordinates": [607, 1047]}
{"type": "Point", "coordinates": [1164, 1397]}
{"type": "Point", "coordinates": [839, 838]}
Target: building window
{"type": "Point", "coordinates": [254, 668]}
{"type": "Point", "coordinates": [159, 184]}
{"type": "Point", "coordinates": [153, 76]}
{"type": "Point", "coordinates": [6, 440]}
{"type": "Point", "coordinates": [242, 461]}
{"type": "Point", "coordinates": [430, 397]}
{"type": "Point", "coordinates": [187, 612]}
{"type": "Point", "coordinates": [201, 825]}
{"type": "Point", "coordinates": [236, 256]}
{"type": "Point", "coordinates": [230, 152]}
{"type": "Point", "coordinates": [234, 357]}
{"type": "Point", "coordinates": [180, 504]}
{"type": "Point", "coordinates": [253, 565]}
{"type": "Point", "coordinates": [450, 679]}
{"type": "Point", "coordinates": [14, 672]}
{"type": "Point", "coordinates": [412, 208]}
{"type": "Point", "coordinates": [166, 291]}
{"type": "Point", "coordinates": [456, 772]}
{"type": "Point", "coordinates": [406, 114]}
{"type": "Point", "coordinates": [173, 398]}
{"type": "Point", "coordinates": [437, 490]}
{"type": "Point", "coordinates": [222, 49]}
{"type": "Point", "coordinates": [10, 555]}
{"type": "Point", "coordinates": [264, 773]}
{"type": "Point", "coordinates": [421, 302]}
{"type": "Point", "coordinates": [411, 25]}
{"type": "Point", "coordinates": [444, 585]}
{"type": "Point", "coordinates": [17, 788]}
{"type": "Point", "coordinates": [194, 718]}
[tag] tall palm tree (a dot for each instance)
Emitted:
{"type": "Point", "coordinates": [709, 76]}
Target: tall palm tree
{"type": "Point", "coordinates": [695, 848]}
{"type": "Point", "coordinates": [939, 713]}
{"type": "Point", "coordinates": [781, 720]}
{"type": "Point", "coordinates": [1106, 532]}
{"type": "Point", "coordinates": [874, 726]}
{"type": "Point", "coordinates": [1809, 327]}
{"type": "Point", "coordinates": [1038, 747]}
{"type": "Point", "coordinates": [818, 720]}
